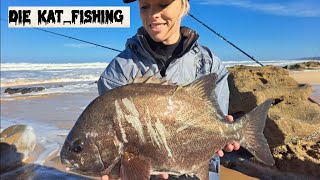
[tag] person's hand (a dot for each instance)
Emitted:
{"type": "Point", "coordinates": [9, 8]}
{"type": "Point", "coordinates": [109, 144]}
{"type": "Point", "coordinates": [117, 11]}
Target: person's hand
{"type": "Point", "coordinates": [106, 177]}
{"type": "Point", "coordinates": [229, 147]}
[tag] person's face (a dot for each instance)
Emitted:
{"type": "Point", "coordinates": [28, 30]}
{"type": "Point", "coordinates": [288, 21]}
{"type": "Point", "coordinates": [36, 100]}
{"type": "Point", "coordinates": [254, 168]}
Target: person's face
{"type": "Point", "coordinates": [161, 19]}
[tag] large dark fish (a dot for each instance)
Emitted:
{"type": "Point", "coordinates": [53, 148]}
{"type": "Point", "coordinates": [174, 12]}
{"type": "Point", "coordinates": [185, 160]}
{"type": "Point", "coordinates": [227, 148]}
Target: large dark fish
{"type": "Point", "coordinates": [143, 128]}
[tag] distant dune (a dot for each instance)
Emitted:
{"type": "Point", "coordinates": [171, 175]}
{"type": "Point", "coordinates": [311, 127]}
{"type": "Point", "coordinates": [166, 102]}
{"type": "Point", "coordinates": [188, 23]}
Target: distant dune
{"type": "Point", "coordinates": [309, 58]}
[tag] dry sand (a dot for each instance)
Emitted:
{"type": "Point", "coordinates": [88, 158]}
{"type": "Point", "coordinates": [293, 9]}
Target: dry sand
{"type": "Point", "coordinates": [230, 174]}
{"type": "Point", "coordinates": [311, 77]}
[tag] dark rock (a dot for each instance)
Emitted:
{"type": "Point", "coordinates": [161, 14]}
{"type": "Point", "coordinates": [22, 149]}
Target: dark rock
{"type": "Point", "coordinates": [16, 144]}
{"type": "Point", "coordinates": [95, 82]}
{"type": "Point", "coordinates": [10, 157]}
{"type": "Point", "coordinates": [23, 90]}
{"type": "Point", "coordinates": [310, 65]}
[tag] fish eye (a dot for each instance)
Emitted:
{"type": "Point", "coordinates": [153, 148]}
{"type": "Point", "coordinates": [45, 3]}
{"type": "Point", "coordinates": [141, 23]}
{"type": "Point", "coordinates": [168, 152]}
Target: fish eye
{"type": "Point", "coordinates": [77, 146]}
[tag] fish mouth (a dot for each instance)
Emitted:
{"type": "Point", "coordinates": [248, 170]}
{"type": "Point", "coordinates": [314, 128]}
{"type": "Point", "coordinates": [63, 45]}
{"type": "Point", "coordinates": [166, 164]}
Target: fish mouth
{"type": "Point", "coordinates": [70, 166]}
{"type": "Point", "coordinates": [66, 162]}
{"type": "Point", "coordinates": [74, 168]}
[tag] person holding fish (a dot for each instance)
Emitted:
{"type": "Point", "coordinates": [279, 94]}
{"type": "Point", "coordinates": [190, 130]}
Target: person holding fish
{"type": "Point", "coordinates": [163, 46]}
{"type": "Point", "coordinates": [162, 108]}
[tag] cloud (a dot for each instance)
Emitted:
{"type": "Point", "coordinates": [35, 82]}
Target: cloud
{"type": "Point", "coordinates": [299, 8]}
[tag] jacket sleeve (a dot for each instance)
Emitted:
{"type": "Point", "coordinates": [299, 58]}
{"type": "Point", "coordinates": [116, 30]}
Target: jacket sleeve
{"type": "Point", "coordinates": [222, 87]}
{"type": "Point", "coordinates": [113, 76]}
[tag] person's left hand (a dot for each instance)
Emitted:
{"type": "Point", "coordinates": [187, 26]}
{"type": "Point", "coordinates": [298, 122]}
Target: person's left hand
{"type": "Point", "coordinates": [229, 147]}
{"type": "Point", "coordinates": [106, 177]}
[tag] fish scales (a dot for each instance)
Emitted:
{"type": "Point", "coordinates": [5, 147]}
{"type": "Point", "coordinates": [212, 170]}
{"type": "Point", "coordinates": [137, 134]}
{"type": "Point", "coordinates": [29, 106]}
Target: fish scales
{"type": "Point", "coordinates": [192, 132]}
{"type": "Point", "coordinates": [147, 128]}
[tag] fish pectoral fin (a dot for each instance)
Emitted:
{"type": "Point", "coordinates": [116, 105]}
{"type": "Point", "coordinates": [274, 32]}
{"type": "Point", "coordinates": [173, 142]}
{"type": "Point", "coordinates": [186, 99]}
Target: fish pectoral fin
{"type": "Point", "coordinates": [135, 167]}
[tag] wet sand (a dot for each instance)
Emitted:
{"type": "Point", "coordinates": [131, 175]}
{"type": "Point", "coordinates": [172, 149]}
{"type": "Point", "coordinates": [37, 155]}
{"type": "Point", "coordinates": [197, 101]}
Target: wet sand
{"type": "Point", "coordinates": [61, 111]}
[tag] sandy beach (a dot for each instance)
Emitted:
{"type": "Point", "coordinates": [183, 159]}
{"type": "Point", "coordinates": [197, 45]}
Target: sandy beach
{"type": "Point", "coordinates": [311, 77]}
{"type": "Point", "coordinates": [55, 114]}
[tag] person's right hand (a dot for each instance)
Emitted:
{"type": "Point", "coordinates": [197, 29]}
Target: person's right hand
{"type": "Point", "coordinates": [164, 176]}
{"type": "Point", "coordinates": [229, 147]}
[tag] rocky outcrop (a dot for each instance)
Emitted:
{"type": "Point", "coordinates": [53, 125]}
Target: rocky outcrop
{"type": "Point", "coordinates": [310, 65]}
{"type": "Point", "coordinates": [23, 90]}
{"type": "Point", "coordinates": [16, 144]}
{"type": "Point", "coordinates": [292, 128]}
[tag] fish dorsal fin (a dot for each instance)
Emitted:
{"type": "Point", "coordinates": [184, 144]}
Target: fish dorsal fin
{"type": "Point", "coordinates": [204, 86]}
{"type": "Point", "coordinates": [149, 77]}
{"type": "Point", "coordinates": [134, 167]}
{"type": "Point", "coordinates": [204, 89]}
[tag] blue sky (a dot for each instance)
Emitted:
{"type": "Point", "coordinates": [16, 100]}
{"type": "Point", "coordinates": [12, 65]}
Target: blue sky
{"type": "Point", "coordinates": [267, 30]}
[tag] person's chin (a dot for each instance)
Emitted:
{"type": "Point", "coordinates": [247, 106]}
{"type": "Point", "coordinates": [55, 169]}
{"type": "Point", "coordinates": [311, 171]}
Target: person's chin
{"type": "Point", "coordinates": [157, 37]}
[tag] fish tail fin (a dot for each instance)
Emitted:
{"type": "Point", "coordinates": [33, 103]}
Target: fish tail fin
{"type": "Point", "coordinates": [252, 133]}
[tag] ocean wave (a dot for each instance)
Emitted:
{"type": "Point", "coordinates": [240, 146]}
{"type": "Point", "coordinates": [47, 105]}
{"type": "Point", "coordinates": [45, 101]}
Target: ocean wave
{"type": "Point", "coordinates": [53, 90]}
{"type": "Point", "coordinates": [50, 66]}
{"type": "Point", "coordinates": [28, 82]}
{"type": "Point", "coordinates": [33, 74]}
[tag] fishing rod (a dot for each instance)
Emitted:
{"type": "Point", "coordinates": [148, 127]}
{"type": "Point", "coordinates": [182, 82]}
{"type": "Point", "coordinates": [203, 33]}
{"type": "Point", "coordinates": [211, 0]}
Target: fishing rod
{"type": "Point", "coordinates": [223, 38]}
{"type": "Point", "coordinates": [70, 37]}
{"type": "Point", "coordinates": [77, 39]}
